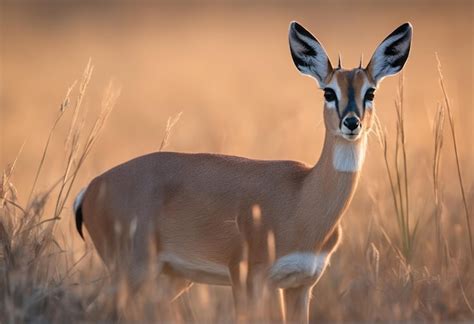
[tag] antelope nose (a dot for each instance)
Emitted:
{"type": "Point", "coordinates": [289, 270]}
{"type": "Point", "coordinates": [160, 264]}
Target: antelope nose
{"type": "Point", "coordinates": [352, 122]}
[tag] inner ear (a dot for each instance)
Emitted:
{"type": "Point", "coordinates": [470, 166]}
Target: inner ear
{"type": "Point", "coordinates": [391, 55]}
{"type": "Point", "coordinates": [308, 54]}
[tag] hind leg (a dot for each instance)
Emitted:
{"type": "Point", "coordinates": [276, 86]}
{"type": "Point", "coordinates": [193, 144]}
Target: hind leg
{"type": "Point", "coordinates": [297, 304]}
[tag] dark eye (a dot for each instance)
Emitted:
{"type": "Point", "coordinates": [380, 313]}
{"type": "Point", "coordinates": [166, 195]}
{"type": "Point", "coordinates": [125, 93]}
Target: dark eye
{"type": "Point", "coordinates": [370, 95]}
{"type": "Point", "coordinates": [329, 95]}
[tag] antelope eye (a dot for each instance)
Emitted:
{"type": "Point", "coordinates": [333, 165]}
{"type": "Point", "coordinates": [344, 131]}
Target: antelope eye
{"type": "Point", "coordinates": [369, 95]}
{"type": "Point", "coordinates": [329, 95]}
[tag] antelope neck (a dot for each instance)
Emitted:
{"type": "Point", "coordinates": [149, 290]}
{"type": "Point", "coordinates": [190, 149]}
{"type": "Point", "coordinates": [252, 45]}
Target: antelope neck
{"type": "Point", "coordinates": [330, 185]}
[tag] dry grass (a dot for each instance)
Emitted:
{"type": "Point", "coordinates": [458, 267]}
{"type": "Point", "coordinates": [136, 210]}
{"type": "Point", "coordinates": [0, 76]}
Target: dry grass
{"type": "Point", "coordinates": [35, 267]}
{"type": "Point", "coordinates": [406, 253]}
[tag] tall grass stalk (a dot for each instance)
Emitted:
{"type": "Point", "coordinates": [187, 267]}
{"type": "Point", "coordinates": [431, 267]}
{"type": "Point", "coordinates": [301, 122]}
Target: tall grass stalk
{"type": "Point", "coordinates": [62, 109]}
{"type": "Point", "coordinates": [170, 123]}
{"type": "Point", "coordinates": [438, 130]}
{"type": "Point", "coordinates": [456, 154]}
{"type": "Point", "coordinates": [398, 177]}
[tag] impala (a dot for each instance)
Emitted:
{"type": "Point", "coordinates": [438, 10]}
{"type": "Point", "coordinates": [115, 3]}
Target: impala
{"type": "Point", "coordinates": [209, 214]}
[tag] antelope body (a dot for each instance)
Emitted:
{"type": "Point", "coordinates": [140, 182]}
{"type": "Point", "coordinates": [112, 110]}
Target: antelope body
{"type": "Point", "coordinates": [206, 214]}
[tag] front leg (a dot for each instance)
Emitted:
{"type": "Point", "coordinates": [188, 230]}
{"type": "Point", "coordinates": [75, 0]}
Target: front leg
{"type": "Point", "coordinates": [298, 272]}
{"type": "Point", "coordinates": [297, 304]}
{"type": "Point", "coordinates": [254, 298]}
{"type": "Point", "coordinates": [274, 305]}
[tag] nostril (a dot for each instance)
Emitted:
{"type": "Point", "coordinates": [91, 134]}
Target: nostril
{"type": "Point", "coordinates": [351, 123]}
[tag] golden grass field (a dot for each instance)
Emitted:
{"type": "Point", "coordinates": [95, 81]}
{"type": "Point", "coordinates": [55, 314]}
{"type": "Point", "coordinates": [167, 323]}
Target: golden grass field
{"type": "Point", "coordinates": [228, 70]}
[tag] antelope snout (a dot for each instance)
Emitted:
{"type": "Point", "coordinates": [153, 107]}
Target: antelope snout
{"type": "Point", "coordinates": [352, 123]}
{"type": "Point", "coordinates": [351, 127]}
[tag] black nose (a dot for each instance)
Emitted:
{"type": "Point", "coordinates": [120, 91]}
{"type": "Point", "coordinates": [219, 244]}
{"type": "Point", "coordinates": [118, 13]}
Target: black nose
{"type": "Point", "coordinates": [351, 122]}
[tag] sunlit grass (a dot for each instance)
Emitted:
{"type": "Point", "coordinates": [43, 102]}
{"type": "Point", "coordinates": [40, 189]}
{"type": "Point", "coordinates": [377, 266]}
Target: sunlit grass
{"type": "Point", "coordinates": [414, 265]}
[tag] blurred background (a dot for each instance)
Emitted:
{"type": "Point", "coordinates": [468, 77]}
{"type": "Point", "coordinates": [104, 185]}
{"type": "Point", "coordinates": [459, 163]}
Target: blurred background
{"type": "Point", "coordinates": [226, 66]}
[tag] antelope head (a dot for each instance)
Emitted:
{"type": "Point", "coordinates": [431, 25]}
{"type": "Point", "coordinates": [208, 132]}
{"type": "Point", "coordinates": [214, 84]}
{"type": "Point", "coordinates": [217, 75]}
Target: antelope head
{"type": "Point", "coordinates": [349, 93]}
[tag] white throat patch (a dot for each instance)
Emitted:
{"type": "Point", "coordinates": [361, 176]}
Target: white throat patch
{"type": "Point", "coordinates": [349, 157]}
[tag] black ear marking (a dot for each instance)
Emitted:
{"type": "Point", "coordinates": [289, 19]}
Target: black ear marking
{"type": "Point", "coordinates": [400, 30]}
{"type": "Point", "coordinates": [298, 31]}
{"type": "Point", "coordinates": [302, 31]}
{"type": "Point", "coordinates": [400, 62]}
{"type": "Point", "coordinates": [393, 49]}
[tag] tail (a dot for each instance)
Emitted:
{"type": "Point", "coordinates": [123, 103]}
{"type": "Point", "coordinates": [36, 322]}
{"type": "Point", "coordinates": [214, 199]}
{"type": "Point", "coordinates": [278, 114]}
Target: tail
{"type": "Point", "coordinates": [77, 206]}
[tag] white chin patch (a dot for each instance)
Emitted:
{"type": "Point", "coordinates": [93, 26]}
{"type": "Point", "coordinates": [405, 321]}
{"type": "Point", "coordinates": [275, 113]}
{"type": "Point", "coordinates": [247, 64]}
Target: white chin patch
{"type": "Point", "coordinates": [349, 156]}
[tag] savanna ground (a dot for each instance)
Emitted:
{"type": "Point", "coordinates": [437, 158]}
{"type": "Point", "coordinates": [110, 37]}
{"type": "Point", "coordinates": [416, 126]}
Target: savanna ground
{"type": "Point", "coordinates": [406, 251]}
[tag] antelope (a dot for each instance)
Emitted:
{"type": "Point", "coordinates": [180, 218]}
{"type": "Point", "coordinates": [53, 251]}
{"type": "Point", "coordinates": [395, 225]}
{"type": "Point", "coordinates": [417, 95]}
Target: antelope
{"type": "Point", "coordinates": [199, 209]}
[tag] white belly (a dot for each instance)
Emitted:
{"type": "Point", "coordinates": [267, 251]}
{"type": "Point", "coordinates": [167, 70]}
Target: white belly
{"type": "Point", "coordinates": [291, 270]}
{"type": "Point", "coordinates": [196, 270]}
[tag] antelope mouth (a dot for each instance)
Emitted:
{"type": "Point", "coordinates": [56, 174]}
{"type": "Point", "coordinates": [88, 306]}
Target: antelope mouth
{"type": "Point", "coordinates": [350, 136]}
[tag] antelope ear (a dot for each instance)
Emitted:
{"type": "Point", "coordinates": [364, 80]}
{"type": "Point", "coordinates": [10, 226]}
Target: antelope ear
{"type": "Point", "coordinates": [391, 55]}
{"type": "Point", "coordinates": [308, 54]}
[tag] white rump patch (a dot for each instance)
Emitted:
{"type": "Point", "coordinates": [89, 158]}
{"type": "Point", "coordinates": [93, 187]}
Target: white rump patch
{"type": "Point", "coordinates": [79, 199]}
{"type": "Point", "coordinates": [297, 269]}
{"type": "Point", "coordinates": [349, 156]}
